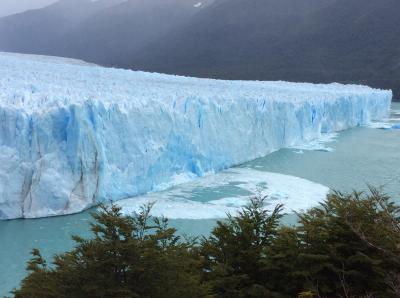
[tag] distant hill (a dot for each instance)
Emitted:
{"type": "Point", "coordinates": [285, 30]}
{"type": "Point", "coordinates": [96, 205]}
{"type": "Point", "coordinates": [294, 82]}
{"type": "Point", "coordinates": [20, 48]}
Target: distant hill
{"type": "Point", "coordinates": [354, 41]}
{"type": "Point", "coordinates": [107, 32]}
{"type": "Point", "coordinates": [40, 31]}
{"type": "Point", "coordinates": [349, 41]}
{"type": "Point", "coordinates": [114, 35]}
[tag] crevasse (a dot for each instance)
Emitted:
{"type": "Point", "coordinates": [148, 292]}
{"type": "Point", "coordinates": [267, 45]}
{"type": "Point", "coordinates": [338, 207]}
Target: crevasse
{"type": "Point", "coordinates": [74, 134]}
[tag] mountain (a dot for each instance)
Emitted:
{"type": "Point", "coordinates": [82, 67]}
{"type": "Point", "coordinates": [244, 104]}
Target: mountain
{"type": "Point", "coordinates": [106, 32]}
{"type": "Point", "coordinates": [352, 41]}
{"type": "Point", "coordinates": [39, 31]}
{"type": "Point", "coordinates": [348, 41]}
{"type": "Point", "coordinates": [115, 34]}
{"type": "Point", "coordinates": [233, 33]}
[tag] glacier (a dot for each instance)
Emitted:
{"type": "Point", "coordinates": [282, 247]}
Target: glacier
{"type": "Point", "coordinates": [74, 134]}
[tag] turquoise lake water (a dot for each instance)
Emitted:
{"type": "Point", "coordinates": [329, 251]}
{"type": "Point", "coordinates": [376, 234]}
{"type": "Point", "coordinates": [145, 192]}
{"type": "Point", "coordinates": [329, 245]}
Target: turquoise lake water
{"type": "Point", "coordinates": [360, 156]}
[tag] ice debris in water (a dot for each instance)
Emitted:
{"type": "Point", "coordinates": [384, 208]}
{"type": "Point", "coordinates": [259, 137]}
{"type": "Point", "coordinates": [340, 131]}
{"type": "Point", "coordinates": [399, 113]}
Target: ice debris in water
{"type": "Point", "coordinates": [182, 202]}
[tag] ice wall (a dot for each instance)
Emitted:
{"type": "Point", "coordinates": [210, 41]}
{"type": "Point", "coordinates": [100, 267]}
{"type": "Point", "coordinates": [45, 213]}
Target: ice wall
{"type": "Point", "coordinates": [73, 134]}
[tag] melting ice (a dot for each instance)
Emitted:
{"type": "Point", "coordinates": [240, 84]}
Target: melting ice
{"type": "Point", "coordinates": [182, 203]}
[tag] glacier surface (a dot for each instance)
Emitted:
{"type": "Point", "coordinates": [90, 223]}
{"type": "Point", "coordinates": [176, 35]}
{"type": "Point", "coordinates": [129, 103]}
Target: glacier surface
{"type": "Point", "coordinates": [74, 134]}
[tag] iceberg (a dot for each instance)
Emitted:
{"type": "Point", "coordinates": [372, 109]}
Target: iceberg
{"type": "Point", "coordinates": [74, 134]}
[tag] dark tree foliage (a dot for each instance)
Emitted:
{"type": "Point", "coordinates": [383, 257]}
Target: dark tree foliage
{"type": "Point", "coordinates": [349, 246]}
{"type": "Point", "coordinates": [128, 257]}
{"type": "Point", "coordinates": [235, 254]}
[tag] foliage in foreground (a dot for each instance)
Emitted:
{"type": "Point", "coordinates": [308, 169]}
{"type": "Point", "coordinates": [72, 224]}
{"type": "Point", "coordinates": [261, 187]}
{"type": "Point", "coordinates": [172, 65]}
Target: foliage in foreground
{"type": "Point", "coordinates": [127, 257]}
{"type": "Point", "coordinates": [349, 246]}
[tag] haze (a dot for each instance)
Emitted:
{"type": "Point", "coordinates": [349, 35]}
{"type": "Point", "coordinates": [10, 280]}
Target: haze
{"type": "Point", "coordinates": [8, 7]}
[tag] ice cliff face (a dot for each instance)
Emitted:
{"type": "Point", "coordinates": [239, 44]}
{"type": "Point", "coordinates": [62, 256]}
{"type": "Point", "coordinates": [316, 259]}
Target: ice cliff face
{"type": "Point", "coordinates": [72, 135]}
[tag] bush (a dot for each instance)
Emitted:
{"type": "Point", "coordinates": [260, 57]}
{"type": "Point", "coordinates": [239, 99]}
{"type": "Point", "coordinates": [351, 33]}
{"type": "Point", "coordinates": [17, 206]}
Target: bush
{"type": "Point", "coordinates": [349, 246]}
{"type": "Point", "coordinates": [128, 257]}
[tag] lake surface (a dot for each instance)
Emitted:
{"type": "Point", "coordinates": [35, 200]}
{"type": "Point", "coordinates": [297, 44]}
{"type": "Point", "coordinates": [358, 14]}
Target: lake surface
{"type": "Point", "coordinates": [359, 156]}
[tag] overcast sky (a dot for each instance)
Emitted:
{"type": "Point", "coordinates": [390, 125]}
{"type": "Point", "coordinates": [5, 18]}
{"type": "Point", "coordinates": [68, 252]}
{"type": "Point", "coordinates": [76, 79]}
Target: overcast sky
{"type": "Point", "coordinates": [8, 7]}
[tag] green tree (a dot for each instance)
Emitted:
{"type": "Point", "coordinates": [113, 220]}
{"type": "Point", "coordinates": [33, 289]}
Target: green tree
{"type": "Point", "coordinates": [350, 246]}
{"type": "Point", "coordinates": [235, 258]}
{"type": "Point", "coordinates": [127, 257]}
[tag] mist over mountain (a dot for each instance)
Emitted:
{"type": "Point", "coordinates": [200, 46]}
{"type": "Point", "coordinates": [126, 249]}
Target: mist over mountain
{"type": "Point", "coordinates": [41, 31]}
{"type": "Point", "coordinates": [349, 41]}
{"type": "Point", "coordinates": [9, 7]}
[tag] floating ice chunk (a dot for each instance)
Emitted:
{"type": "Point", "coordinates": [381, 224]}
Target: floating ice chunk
{"type": "Point", "coordinates": [384, 125]}
{"type": "Point", "coordinates": [180, 202]}
{"type": "Point", "coordinates": [380, 125]}
{"type": "Point", "coordinates": [298, 151]}
{"type": "Point", "coordinates": [75, 134]}
{"type": "Point", "coordinates": [318, 144]}
{"type": "Point", "coordinates": [387, 123]}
